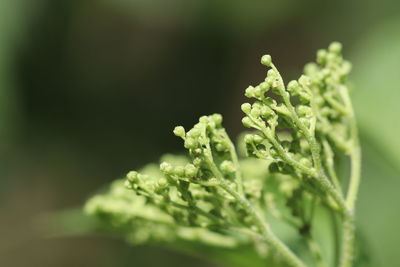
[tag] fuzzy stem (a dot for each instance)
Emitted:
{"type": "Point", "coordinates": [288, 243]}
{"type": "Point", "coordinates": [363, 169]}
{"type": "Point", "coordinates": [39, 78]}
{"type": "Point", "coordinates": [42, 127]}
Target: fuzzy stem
{"type": "Point", "coordinates": [347, 256]}
{"type": "Point", "coordinates": [265, 229]}
{"type": "Point", "coordinates": [261, 224]}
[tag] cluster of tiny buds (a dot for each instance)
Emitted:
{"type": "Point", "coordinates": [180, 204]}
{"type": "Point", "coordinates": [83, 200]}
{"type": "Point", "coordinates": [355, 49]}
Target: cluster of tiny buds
{"type": "Point", "coordinates": [188, 171]}
{"type": "Point", "coordinates": [194, 139]}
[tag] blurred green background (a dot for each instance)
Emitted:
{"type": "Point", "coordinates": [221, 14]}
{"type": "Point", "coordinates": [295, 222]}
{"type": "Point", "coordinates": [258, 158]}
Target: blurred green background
{"type": "Point", "coordinates": [92, 89]}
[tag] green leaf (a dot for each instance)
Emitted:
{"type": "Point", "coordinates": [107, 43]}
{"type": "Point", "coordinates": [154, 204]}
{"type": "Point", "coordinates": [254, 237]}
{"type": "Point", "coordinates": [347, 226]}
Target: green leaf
{"type": "Point", "coordinates": [376, 100]}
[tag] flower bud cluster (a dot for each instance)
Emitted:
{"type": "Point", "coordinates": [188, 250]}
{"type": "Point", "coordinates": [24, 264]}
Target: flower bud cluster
{"type": "Point", "coordinates": [328, 82]}
{"type": "Point", "coordinates": [308, 108]}
{"type": "Point", "coordinates": [188, 192]}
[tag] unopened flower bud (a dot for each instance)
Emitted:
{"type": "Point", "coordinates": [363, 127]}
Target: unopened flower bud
{"type": "Point", "coordinates": [246, 108]}
{"type": "Point", "coordinates": [166, 168]}
{"type": "Point", "coordinates": [266, 60]}
{"type": "Point", "coordinates": [227, 167]}
{"type": "Point", "coordinates": [249, 92]}
{"type": "Point", "coordinates": [190, 170]}
{"type": "Point", "coordinates": [179, 131]}
{"type": "Point", "coordinates": [247, 122]}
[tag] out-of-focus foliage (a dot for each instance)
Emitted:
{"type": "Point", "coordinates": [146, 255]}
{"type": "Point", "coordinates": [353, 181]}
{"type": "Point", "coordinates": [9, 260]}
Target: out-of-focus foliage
{"type": "Point", "coordinates": [376, 75]}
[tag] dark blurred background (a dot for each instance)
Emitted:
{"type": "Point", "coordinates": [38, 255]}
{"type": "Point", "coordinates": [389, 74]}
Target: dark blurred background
{"type": "Point", "coordinates": [92, 89]}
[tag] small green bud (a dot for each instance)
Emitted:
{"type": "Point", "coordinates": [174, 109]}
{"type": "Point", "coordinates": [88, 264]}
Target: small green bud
{"type": "Point", "coordinates": [246, 108]}
{"type": "Point", "coordinates": [162, 182]}
{"type": "Point", "coordinates": [249, 92]}
{"type": "Point", "coordinates": [217, 119]}
{"type": "Point", "coordinates": [264, 87]}
{"type": "Point", "coordinates": [179, 171]}
{"type": "Point", "coordinates": [166, 168]}
{"type": "Point", "coordinates": [272, 73]}
{"type": "Point", "coordinates": [258, 139]}
{"type": "Point", "coordinates": [304, 110]}
{"type": "Point", "coordinates": [179, 131]}
{"type": "Point", "coordinates": [227, 167]}
{"type": "Point", "coordinates": [321, 56]}
{"type": "Point", "coordinates": [266, 60]}
{"type": "Point", "coordinates": [198, 151]}
{"type": "Point", "coordinates": [335, 47]}
{"type": "Point", "coordinates": [190, 143]}
{"type": "Point", "coordinates": [255, 112]}
{"type": "Point", "coordinates": [293, 86]}
{"type": "Point", "coordinates": [220, 147]}
{"type": "Point", "coordinates": [248, 138]}
{"type": "Point", "coordinates": [190, 170]}
{"type": "Point", "coordinates": [304, 80]}
{"type": "Point", "coordinates": [257, 92]}
{"type": "Point", "coordinates": [266, 112]}
{"type": "Point", "coordinates": [132, 176]}
{"type": "Point", "coordinates": [247, 122]}
{"type": "Point", "coordinates": [128, 184]}
{"type": "Point", "coordinates": [203, 119]}
{"type": "Point", "coordinates": [197, 162]}
{"type": "Point", "coordinates": [193, 133]}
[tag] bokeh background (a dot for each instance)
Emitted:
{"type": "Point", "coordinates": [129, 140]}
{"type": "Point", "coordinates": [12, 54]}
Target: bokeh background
{"type": "Point", "coordinates": [92, 89]}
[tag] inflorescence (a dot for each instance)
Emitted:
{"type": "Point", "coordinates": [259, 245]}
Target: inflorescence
{"type": "Point", "coordinates": [215, 197]}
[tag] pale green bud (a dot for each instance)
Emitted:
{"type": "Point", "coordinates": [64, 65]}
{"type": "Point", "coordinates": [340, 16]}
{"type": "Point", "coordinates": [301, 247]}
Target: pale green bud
{"type": "Point", "coordinates": [257, 139]}
{"type": "Point", "coordinates": [247, 122]}
{"type": "Point", "coordinates": [266, 60]}
{"type": "Point", "coordinates": [257, 91]}
{"type": "Point", "coordinates": [266, 112]}
{"type": "Point", "coordinates": [246, 108]}
{"type": "Point", "coordinates": [190, 170]}
{"type": "Point", "coordinates": [128, 184]}
{"type": "Point", "coordinates": [249, 92]}
{"type": "Point", "coordinates": [255, 112]}
{"type": "Point", "coordinates": [220, 147]}
{"type": "Point", "coordinates": [203, 119]}
{"type": "Point", "coordinates": [179, 171]}
{"type": "Point", "coordinates": [335, 47]}
{"type": "Point", "coordinates": [272, 73]}
{"type": "Point", "coordinates": [179, 131]}
{"type": "Point", "coordinates": [264, 86]}
{"type": "Point", "coordinates": [190, 143]}
{"type": "Point", "coordinates": [166, 168]}
{"type": "Point", "coordinates": [217, 119]}
{"type": "Point", "coordinates": [162, 182]}
{"type": "Point", "coordinates": [321, 56]}
{"type": "Point", "coordinates": [304, 110]}
{"type": "Point", "coordinates": [227, 167]}
{"type": "Point", "coordinates": [197, 162]}
{"type": "Point", "coordinates": [248, 138]}
{"type": "Point", "coordinates": [132, 176]}
{"type": "Point", "coordinates": [194, 133]}
{"type": "Point", "coordinates": [304, 80]}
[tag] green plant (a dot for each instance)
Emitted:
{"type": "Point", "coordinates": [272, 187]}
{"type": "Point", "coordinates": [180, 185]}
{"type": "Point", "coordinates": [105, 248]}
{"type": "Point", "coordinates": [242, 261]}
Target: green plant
{"type": "Point", "coordinates": [284, 172]}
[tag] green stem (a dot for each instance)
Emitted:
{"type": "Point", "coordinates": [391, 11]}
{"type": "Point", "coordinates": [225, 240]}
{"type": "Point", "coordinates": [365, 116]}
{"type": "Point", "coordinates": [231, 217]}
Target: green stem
{"type": "Point", "coordinates": [265, 229]}
{"type": "Point", "coordinates": [328, 153]}
{"type": "Point", "coordinates": [261, 224]}
{"type": "Point", "coordinates": [322, 179]}
{"type": "Point", "coordinates": [235, 160]}
{"type": "Point", "coordinates": [348, 238]}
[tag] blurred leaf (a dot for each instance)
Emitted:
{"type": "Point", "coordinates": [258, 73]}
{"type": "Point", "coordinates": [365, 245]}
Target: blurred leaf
{"type": "Point", "coordinates": [378, 214]}
{"type": "Point", "coordinates": [376, 73]}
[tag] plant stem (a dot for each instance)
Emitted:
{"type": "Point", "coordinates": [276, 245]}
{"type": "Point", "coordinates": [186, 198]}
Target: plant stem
{"type": "Point", "coordinates": [261, 224]}
{"type": "Point", "coordinates": [265, 229]}
{"type": "Point", "coordinates": [347, 255]}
